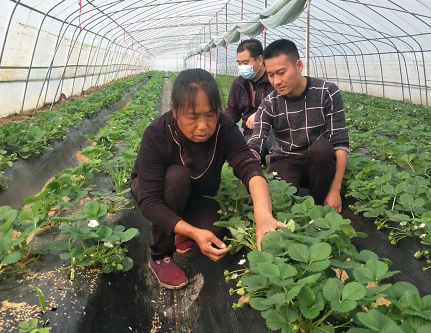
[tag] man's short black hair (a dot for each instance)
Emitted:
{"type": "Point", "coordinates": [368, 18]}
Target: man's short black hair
{"type": "Point", "coordinates": [281, 46]}
{"type": "Point", "coordinates": [251, 45]}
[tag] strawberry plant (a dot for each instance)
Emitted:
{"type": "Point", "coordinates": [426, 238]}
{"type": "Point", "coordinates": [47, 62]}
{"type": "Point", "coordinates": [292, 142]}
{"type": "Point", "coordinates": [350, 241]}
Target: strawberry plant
{"type": "Point", "coordinates": [310, 278]}
{"type": "Point", "coordinates": [93, 243]}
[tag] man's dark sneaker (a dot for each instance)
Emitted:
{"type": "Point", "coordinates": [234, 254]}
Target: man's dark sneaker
{"type": "Point", "coordinates": [183, 244]}
{"type": "Point", "coordinates": [168, 273]}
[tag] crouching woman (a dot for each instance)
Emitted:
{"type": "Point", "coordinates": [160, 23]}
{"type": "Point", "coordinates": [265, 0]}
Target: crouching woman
{"type": "Point", "coordinates": [179, 163]}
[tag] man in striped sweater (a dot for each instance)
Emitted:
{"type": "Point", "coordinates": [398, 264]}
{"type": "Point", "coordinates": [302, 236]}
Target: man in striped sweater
{"type": "Point", "coordinates": [308, 120]}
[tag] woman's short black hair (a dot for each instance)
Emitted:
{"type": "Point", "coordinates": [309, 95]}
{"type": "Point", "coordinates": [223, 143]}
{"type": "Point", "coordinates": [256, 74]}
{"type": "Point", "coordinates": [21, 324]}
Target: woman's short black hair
{"type": "Point", "coordinates": [281, 46]}
{"type": "Point", "coordinates": [251, 45]}
{"type": "Point", "coordinates": [187, 85]}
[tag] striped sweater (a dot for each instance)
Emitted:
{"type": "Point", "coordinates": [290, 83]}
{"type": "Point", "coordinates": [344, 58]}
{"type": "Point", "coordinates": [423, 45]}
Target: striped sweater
{"type": "Point", "coordinates": [297, 122]}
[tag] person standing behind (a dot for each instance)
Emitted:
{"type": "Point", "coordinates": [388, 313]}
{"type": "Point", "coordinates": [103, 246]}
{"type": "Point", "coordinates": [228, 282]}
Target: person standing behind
{"type": "Point", "coordinates": [249, 88]}
{"type": "Point", "coordinates": [308, 119]}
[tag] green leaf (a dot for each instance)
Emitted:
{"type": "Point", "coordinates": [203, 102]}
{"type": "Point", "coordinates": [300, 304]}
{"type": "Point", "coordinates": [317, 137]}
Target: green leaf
{"type": "Point", "coordinates": [254, 282]}
{"type": "Point", "coordinates": [299, 252]}
{"type": "Point", "coordinates": [332, 289]}
{"type": "Point", "coordinates": [12, 258]}
{"type": "Point", "coordinates": [377, 321]}
{"type": "Point", "coordinates": [378, 268]}
{"type": "Point", "coordinates": [310, 304]}
{"type": "Point", "coordinates": [363, 275]}
{"type": "Point", "coordinates": [91, 209]}
{"type": "Point", "coordinates": [316, 266]}
{"type": "Point", "coordinates": [24, 325]}
{"type": "Point", "coordinates": [276, 299]}
{"type": "Point", "coordinates": [323, 329]}
{"type": "Point", "coordinates": [256, 303]}
{"type": "Point", "coordinates": [127, 264]}
{"type": "Point", "coordinates": [276, 320]}
{"type": "Point", "coordinates": [65, 255]}
{"type": "Point", "coordinates": [129, 234]}
{"type": "Point", "coordinates": [292, 293]}
{"type": "Point", "coordinates": [257, 257]}
{"type": "Point", "coordinates": [343, 306]}
{"type": "Point", "coordinates": [424, 329]}
{"type": "Point", "coordinates": [318, 252]}
{"type": "Point", "coordinates": [7, 217]}
{"type": "Point", "coordinates": [104, 231]}
{"type": "Point", "coordinates": [268, 270]}
{"type": "Point", "coordinates": [353, 291]}
{"type": "Point", "coordinates": [399, 289]}
{"type": "Point", "coordinates": [306, 296]}
{"type": "Point", "coordinates": [287, 271]}
{"type": "Point", "coordinates": [309, 279]}
{"type": "Point", "coordinates": [112, 238]}
{"type": "Point", "coordinates": [366, 255]}
{"type": "Point", "coordinates": [291, 225]}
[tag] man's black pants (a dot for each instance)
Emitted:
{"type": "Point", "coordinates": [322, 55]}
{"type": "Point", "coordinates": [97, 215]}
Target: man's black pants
{"type": "Point", "coordinates": [314, 170]}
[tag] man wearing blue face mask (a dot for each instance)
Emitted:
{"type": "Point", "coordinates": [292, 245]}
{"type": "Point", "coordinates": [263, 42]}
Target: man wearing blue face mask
{"type": "Point", "coordinates": [249, 88]}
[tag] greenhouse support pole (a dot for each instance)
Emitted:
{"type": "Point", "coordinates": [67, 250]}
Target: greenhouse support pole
{"type": "Point", "coordinates": [216, 60]}
{"type": "Point", "coordinates": [225, 69]}
{"type": "Point", "coordinates": [210, 45]}
{"type": "Point", "coordinates": [242, 12]}
{"type": "Point", "coordinates": [205, 53]}
{"type": "Point", "coordinates": [264, 28]}
{"type": "Point", "coordinates": [307, 69]}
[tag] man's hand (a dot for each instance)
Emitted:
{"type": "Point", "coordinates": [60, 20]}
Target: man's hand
{"type": "Point", "coordinates": [250, 121]}
{"type": "Point", "coordinates": [210, 245]}
{"type": "Point", "coordinates": [266, 224]}
{"type": "Point", "coordinates": [333, 199]}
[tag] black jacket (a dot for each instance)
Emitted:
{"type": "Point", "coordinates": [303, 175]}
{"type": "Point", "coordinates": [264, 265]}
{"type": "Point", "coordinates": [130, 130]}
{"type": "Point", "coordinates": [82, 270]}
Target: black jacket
{"type": "Point", "coordinates": [239, 102]}
{"type": "Point", "coordinates": [162, 147]}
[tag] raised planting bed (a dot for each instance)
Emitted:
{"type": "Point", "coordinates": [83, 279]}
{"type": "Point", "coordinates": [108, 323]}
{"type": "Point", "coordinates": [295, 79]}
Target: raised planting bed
{"type": "Point", "coordinates": [34, 137]}
{"type": "Point", "coordinates": [74, 218]}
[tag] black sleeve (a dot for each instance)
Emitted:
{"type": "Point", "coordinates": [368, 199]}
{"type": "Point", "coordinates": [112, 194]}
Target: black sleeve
{"type": "Point", "coordinates": [240, 158]}
{"type": "Point", "coordinates": [232, 111]}
{"type": "Point", "coordinates": [151, 178]}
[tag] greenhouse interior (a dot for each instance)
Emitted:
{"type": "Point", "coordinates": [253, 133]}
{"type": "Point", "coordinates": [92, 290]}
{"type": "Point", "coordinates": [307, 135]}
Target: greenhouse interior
{"type": "Point", "coordinates": [314, 218]}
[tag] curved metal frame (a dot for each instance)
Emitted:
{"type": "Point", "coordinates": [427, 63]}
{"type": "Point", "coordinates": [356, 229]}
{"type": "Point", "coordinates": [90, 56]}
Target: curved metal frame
{"type": "Point", "coordinates": [110, 55]}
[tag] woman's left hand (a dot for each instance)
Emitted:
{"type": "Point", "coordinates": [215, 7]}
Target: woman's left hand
{"type": "Point", "coordinates": [266, 224]}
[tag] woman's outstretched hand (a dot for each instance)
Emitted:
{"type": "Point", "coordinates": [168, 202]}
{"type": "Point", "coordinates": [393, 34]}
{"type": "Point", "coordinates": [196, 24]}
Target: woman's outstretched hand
{"type": "Point", "coordinates": [266, 224]}
{"type": "Point", "coordinates": [210, 245]}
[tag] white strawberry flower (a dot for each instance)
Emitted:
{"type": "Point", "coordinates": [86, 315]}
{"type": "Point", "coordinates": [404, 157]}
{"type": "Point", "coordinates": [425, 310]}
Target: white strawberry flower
{"type": "Point", "coordinates": [242, 262]}
{"type": "Point", "coordinates": [422, 225]}
{"type": "Point", "coordinates": [108, 244]}
{"type": "Point", "coordinates": [93, 224]}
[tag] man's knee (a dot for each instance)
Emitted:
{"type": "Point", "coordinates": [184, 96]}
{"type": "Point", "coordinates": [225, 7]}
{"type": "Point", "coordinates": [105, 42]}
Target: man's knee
{"type": "Point", "coordinates": [322, 151]}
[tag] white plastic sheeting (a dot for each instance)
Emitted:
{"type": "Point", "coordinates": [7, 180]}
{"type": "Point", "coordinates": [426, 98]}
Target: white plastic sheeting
{"type": "Point", "coordinates": [54, 47]}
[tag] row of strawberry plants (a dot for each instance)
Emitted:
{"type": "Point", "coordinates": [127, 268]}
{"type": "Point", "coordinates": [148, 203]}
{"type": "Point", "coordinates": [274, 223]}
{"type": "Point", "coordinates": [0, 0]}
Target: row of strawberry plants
{"type": "Point", "coordinates": [308, 276]}
{"type": "Point", "coordinates": [20, 140]}
{"type": "Point", "coordinates": [394, 186]}
{"type": "Point", "coordinates": [92, 242]}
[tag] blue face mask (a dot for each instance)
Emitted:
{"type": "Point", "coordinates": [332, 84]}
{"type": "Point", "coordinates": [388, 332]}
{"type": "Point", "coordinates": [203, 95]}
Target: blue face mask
{"type": "Point", "coordinates": [247, 72]}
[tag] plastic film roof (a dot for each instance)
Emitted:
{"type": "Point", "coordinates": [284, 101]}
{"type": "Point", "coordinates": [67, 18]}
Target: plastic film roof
{"type": "Point", "coordinates": [362, 44]}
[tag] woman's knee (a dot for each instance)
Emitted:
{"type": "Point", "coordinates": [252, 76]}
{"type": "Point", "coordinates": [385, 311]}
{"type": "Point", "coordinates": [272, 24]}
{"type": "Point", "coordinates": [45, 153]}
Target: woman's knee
{"type": "Point", "coordinates": [177, 182]}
